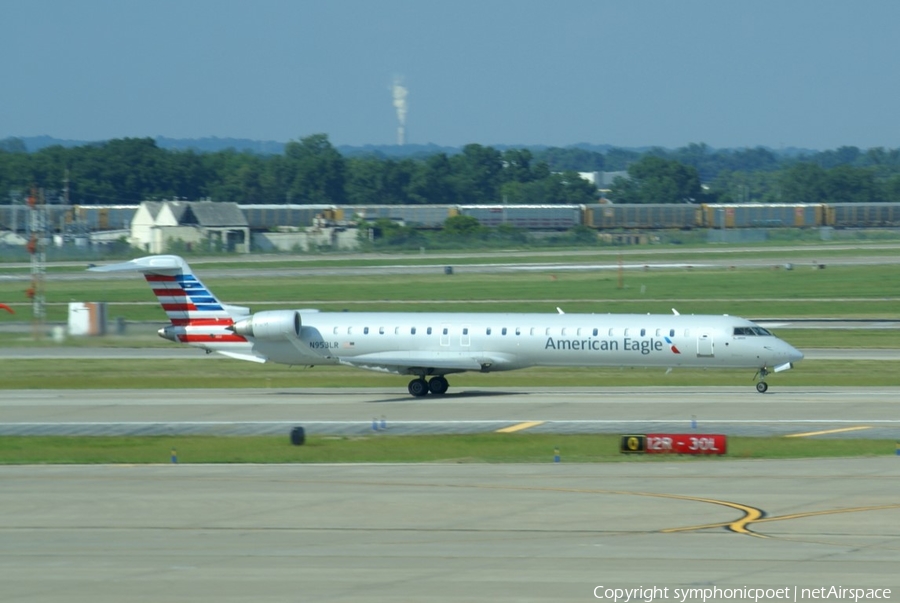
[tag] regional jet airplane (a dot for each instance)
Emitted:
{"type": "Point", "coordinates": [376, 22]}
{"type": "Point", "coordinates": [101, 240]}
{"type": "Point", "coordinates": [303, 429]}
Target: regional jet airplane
{"type": "Point", "coordinates": [435, 344]}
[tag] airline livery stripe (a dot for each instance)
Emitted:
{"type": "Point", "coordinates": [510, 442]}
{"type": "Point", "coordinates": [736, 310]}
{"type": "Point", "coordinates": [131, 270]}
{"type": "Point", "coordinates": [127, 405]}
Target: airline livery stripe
{"type": "Point", "coordinates": [159, 278]}
{"type": "Point", "coordinates": [202, 322]}
{"type": "Point", "coordinates": [211, 339]}
{"type": "Point", "coordinates": [170, 292]}
{"type": "Point", "coordinates": [179, 307]}
{"type": "Point", "coordinates": [520, 426]}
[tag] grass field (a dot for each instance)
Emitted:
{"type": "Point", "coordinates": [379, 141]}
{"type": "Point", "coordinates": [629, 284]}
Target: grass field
{"type": "Point", "coordinates": [219, 372]}
{"type": "Point", "coordinates": [837, 291]}
{"type": "Point", "coordinates": [479, 448]}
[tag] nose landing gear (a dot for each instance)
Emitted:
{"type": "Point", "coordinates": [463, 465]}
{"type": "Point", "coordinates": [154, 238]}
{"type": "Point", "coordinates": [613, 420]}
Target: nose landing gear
{"type": "Point", "coordinates": [761, 385]}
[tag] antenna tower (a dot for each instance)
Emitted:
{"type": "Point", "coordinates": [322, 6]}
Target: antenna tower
{"type": "Point", "coordinates": [38, 228]}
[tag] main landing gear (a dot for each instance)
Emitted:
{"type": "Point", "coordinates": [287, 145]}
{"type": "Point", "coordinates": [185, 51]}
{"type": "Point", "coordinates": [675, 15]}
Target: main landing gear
{"type": "Point", "coordinates": [437, 385]}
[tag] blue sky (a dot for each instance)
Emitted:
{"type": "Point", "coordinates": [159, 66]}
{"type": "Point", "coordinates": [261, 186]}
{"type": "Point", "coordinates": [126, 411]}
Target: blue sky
{"type": "Point", "coordinates": [815, 74]}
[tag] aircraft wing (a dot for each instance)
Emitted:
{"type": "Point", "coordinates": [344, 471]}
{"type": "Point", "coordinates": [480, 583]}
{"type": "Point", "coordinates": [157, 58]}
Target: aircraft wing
{"type": "Point", "coordinates": [252, 357]}
{"type": "Point", "coordinates": [401, 363]}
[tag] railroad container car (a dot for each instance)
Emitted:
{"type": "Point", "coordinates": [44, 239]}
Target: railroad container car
{"type": "Point", "coordinates": [649, 216]}
{"type": "Point", "coordinates": [418, 216]}
{"type": "Point", "coordinates": [268, 216]}
{"type": "Point", "coordinates": [530, 217]}
{"type": "Point", "coordinates": [863, 215]}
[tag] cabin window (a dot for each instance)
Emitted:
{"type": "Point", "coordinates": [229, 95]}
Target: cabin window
{"type": "Point", "coordinates": [465, 330]}
{"type": "Point", "coordinates": [547, 332]}
{"type": "Point", "coordinates": [365, 330]}
{"type": "Point", "coordinates": [349, 330]}
{"type": "Point", "coordinates": [412, 331]}
{"type": "Point", "coordinates": [643, 332]}
{"type": "Point", "coordinates": [531, 332]}
{"type": "Point", "coordinates": [595, 332]}
{"type": "Point", "coordinates": [488, 331]}
{"type": "Point", "coordinates": [381, 330]}
{"type": "Point", "coordinates": [446, 330]}
{"type": "Point", "coordinates": [627, 331]}
{"type": "Point", "coordinates": [610, 332]}
{"type": "Point", "coordinates": [396, 330]}
{"type": "Point", "coordinates": [564, 332]}
{"type": "Point", "coordinates": [659, 332]}
{"type": "Point", "coordinates": [503, 331]}
{"type": "Point", "coordinates": [335, 331]}
{"type": "Point", "coordinates": [428, 331]}
{"type": "Point", "coordinates": [671, 332]}
{"type": "Point", "coordinates": [578, 332]}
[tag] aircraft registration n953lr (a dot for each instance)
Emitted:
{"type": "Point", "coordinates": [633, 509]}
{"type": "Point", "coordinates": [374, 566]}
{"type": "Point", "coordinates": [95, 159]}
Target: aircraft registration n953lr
{"type": "Point", "coordinates": [432, 345]}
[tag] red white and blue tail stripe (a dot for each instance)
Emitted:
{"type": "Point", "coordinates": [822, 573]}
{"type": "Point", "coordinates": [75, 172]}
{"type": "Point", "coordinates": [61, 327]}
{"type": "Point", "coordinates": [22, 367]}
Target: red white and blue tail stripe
{"type": "Point", "coordinates": [197, 317]}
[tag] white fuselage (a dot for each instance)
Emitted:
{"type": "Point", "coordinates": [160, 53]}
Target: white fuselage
{"type": "Point", "coordinates": [512, 341]}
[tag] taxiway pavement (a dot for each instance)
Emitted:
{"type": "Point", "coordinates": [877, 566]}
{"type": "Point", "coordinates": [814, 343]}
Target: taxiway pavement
{"type": "Point", "coordinates": [364, 533]}
{"type": "Point", "coordinates": [870, 412]}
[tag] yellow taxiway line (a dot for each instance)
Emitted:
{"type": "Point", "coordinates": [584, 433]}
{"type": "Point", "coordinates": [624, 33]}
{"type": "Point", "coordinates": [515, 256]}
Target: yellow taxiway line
{"type": "Point", "coordinates": [520, 426]}
{"type": "Point", "coordinates": [827, 431]}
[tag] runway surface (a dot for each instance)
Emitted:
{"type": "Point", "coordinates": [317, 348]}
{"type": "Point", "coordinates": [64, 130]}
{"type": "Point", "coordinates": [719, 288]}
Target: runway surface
{"type": "Point", "coordinates": [362, 533]}
{"type": "Point", "coordinates": [840, 412]}
{"type": "Point", "coordinates": [449, 532]}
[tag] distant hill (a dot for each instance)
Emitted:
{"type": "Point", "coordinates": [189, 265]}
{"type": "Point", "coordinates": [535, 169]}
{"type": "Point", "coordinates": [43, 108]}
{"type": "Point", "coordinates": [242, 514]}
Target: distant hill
{"type": "Point", "coordinates": [213, 144]}
{"type": "Point", "coordinates": [202, 145]}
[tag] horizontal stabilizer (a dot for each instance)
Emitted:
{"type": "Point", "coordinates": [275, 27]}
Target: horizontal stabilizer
{"type": "Point", "coordinates": [152, 263]}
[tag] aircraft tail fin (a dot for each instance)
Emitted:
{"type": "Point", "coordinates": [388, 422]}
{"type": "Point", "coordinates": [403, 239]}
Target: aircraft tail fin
{"type": "Point", "coordinates": [196, 315]}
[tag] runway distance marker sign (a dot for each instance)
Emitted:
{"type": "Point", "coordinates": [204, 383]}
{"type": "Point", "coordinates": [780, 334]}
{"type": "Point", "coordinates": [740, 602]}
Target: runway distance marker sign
{"type": "Point", "coordinates": [674, 443]}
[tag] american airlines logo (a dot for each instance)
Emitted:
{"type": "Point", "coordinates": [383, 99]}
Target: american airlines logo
{"type": "Point", "coordinates": [644, 346]}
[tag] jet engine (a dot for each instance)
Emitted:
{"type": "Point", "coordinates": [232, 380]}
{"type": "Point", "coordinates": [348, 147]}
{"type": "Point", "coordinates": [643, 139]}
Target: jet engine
{"type": "Point", "coordinates": [272, 325]}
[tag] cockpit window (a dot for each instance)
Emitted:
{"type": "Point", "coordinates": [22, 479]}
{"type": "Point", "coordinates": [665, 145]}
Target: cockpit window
{"type": "Point", "coordinates": [751, 332]}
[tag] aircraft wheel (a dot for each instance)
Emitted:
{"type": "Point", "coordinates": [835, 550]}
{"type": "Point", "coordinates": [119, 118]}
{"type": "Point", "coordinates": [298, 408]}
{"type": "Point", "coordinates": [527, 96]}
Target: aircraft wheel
{"type": "Point", "coordinates": [762, 386]}
{"type": "Point", "coordinates": [438, 385]}
{"type": "Point", "coordinates": [418, 387]}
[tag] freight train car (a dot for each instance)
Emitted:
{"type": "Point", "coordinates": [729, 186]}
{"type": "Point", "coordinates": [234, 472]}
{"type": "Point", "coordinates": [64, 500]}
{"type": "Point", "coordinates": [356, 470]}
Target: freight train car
{"type": "Point", "coordinates": [61, 217]}
{"type": "Point", "coordinates": [266, 217]}
{"type": "Point", "coordinates": [529, 217]}
{"type": "Point", "coordinates": [101, 217]}
{"type": "Point", "coordinates": [645, 216]}
{"type": "Point", "coordinates": [762, 215]}
{"type": "Point", "coordinates": [863, 215]}
{"type": "Point", "coordinates": [418, 216]}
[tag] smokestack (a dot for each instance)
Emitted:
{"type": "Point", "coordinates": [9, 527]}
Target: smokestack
{"type": "Point", "coordinates": [400, 92]}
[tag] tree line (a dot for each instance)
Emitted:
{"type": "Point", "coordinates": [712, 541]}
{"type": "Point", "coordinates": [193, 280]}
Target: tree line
{"type": "Point", "coordinates": [312, 171]}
